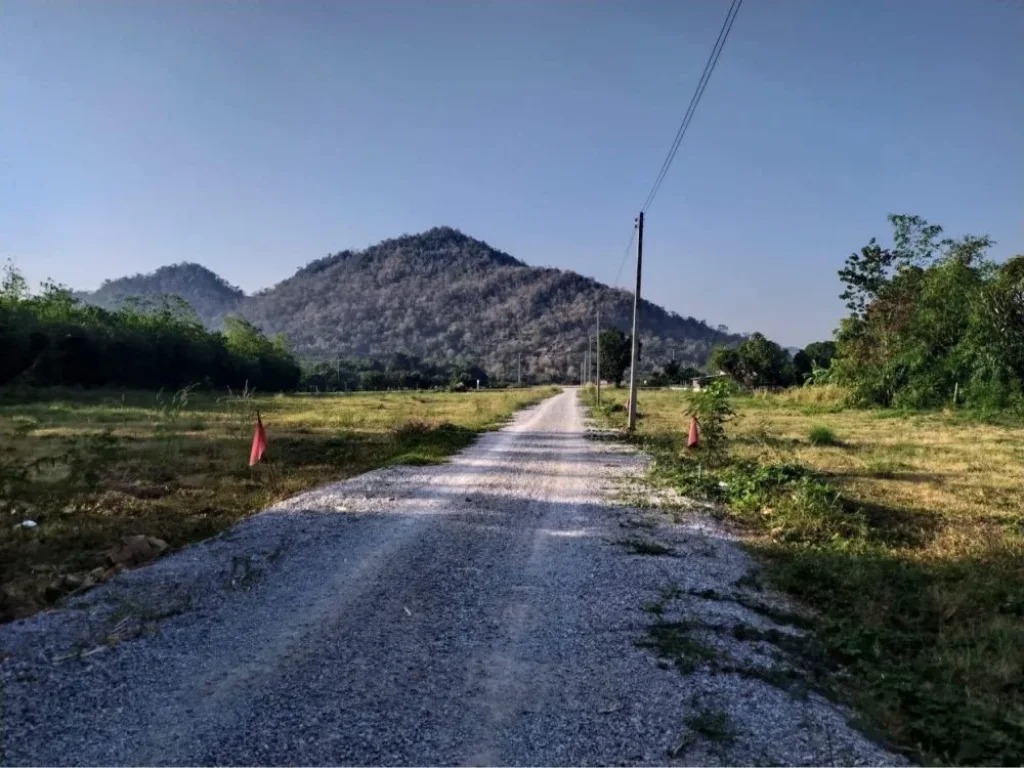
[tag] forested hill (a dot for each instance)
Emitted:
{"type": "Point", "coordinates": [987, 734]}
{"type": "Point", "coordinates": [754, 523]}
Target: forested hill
{"type": "Point", "coordinates": [210, 295]}
{"type": "Point", "coordinates": [443, 295]}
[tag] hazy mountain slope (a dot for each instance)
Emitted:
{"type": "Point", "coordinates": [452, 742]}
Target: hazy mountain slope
{"type": "Point", "coordinates": [440, 295]}
{"type": "Point", "coordinates": [209, 294]}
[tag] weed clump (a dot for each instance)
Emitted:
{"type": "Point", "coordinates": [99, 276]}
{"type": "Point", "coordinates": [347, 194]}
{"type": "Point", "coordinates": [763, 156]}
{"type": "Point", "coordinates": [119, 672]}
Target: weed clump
{"type": "Point", "coordinates": [713, 724]}
{"type": "Point", "coordinates": [822, 435]}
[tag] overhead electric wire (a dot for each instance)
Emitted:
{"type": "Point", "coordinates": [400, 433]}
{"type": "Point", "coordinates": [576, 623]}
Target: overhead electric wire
{"type": "Point", "coordinates": [709, 68]}
{"type": "Point", "coordinates": [702, 83]}
{"type": "Point", "coordinates": [622, 264]}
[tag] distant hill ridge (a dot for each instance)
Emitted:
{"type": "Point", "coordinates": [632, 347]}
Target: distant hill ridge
{"type": "Point", "coordinates": [439, 295]}
{"type": "Point", "coordinates": [210, 295]}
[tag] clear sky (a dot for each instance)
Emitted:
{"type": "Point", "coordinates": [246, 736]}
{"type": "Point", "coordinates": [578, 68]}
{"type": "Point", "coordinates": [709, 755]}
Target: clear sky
{"type": "Point", "coordinates": [254, 137]}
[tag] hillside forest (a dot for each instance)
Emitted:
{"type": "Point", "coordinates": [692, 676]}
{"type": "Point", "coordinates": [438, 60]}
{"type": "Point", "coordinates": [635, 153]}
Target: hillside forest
{"type": "Point", "coordinates": [440, 296]}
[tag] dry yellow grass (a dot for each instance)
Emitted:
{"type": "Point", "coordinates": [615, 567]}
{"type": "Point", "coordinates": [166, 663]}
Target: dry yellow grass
{"type": "Point", "coordinates": [964, 474]}
{"type": "Point", "coordinates": [89, 468]}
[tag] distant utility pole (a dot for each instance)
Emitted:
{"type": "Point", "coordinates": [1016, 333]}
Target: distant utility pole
{"type": "Point", "coordinates": [597, 337]}
{"type": "Point", "coordinates": [519, 368]}
{"type": "Point", "coordinates": [636, 323]}
{"type": "Point", "coordinates": [590, 366]}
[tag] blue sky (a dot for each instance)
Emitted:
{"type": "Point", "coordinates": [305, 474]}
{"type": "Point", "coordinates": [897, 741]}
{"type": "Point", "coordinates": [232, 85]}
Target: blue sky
{"type": "Point", "coordinates": [254, 137]}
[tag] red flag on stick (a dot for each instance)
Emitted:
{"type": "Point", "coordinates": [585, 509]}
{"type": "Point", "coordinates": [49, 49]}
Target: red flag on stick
{"type": "Point", "coordinates": [694, 433]}
{"type": "Point", "coordinates": [259, 441]}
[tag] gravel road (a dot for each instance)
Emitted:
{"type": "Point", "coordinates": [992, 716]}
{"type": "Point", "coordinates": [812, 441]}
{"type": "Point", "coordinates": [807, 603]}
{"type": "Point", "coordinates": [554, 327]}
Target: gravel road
{"type": "Point", "coordinates": [486, 611]}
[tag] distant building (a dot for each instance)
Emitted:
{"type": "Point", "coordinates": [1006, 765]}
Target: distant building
{"type": "Point", "coordinates": [698, 383]}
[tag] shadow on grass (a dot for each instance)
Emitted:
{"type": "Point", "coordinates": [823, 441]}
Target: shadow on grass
{"type": "Point", "coordinates": [896, 526]}
{"type": "Point", "coordinates": [770, 441]}
{"type": "Point", "coordinates": [931, 652]}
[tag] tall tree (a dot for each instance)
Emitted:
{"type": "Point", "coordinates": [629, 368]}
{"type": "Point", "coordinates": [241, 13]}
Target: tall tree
{"type": "Point", "coordinates": [616, 352]}
{"type": "Point", "coordinates": [757, 362]}
{"type": "Point", "coordinates": [817, 354]}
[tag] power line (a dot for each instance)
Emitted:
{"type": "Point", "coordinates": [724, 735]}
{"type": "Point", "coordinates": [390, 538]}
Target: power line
{"type": "Point", "coordinates": [709, 67]}
{"type": "Point", "coordinates": [629, 247]}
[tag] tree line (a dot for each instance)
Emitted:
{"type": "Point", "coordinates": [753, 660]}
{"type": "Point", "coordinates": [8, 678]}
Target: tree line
{"type": "Point", "coordinates": [760, 362]}
{"type": "Point", "coordinates": [52, 339]}
{"type": "Point", "coordinates": [398, 371]}
{"type": "Point", "coordinates": [932, 321]}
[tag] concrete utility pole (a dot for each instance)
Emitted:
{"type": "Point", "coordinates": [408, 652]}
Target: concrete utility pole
{"type": "Point", "coordinates": [519, 368]}
{"type": "Point", "coordinates": [598, 338]}
{"type": "Point", "coordinates": [636, 323]}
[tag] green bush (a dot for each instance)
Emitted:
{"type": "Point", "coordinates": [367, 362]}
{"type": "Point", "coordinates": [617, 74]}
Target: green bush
{"type": "Point", "coordinates": [712, 407]}
{"type": "Point", "coordinates": [822, 435]}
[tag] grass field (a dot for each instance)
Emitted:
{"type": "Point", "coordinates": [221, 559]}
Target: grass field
{"type": "Point", "coordinates": [904, 532]}
{"type": "Point", "coordinates": [91, 467]}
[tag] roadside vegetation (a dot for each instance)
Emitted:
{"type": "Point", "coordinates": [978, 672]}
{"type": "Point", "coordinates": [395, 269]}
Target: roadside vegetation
{"type": "Point", "coordinates": [933, 322]}
{"type": "Point", "coordinates": [902, 530]}
{"type": "Point", "coordinates": [81, 470]}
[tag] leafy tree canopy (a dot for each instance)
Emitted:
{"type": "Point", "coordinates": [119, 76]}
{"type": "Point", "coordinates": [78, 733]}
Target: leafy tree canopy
{"type": "Point", "coordinates": [932, 321]}
{"type": "Point", "coordinates": [616, 354]}
{"type": "Point", "coordinates": [756, 362]}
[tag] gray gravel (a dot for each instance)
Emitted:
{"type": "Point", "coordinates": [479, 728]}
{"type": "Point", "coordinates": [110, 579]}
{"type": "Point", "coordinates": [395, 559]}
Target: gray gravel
{"type": "Point", "coordinates": [484, 611]}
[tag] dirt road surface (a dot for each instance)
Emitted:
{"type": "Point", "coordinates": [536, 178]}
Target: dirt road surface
{"type": "Point", "coordinates": [486, 611]}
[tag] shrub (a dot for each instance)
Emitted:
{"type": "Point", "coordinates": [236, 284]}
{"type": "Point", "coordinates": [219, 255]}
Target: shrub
{"type": "Point", "coordinates": [712, 407]}
{"type": "Point", "coordinates": [822, 435]}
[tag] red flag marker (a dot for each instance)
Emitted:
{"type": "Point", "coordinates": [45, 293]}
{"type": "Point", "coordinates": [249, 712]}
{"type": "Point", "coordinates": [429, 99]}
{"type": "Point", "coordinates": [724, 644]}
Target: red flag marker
{"type": "Point", "coordinates": [694, 433]}
{"type": "Point", "coordinates": [259, 441]}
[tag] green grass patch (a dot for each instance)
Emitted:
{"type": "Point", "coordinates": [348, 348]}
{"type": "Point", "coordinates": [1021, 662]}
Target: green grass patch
{"type": "Point", "coordinates": [820, 434]}
{"type": "Point", "coordinates": [674, 642]}
{"type": "Point", "coordinates": [713, 724]}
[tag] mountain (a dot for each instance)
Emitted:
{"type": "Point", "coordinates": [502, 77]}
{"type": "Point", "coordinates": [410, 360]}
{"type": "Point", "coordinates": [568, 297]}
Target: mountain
{"type": "Point", "coordinates": [438, 295]}
{"type": "Point", "coordinates": [210, 295]}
